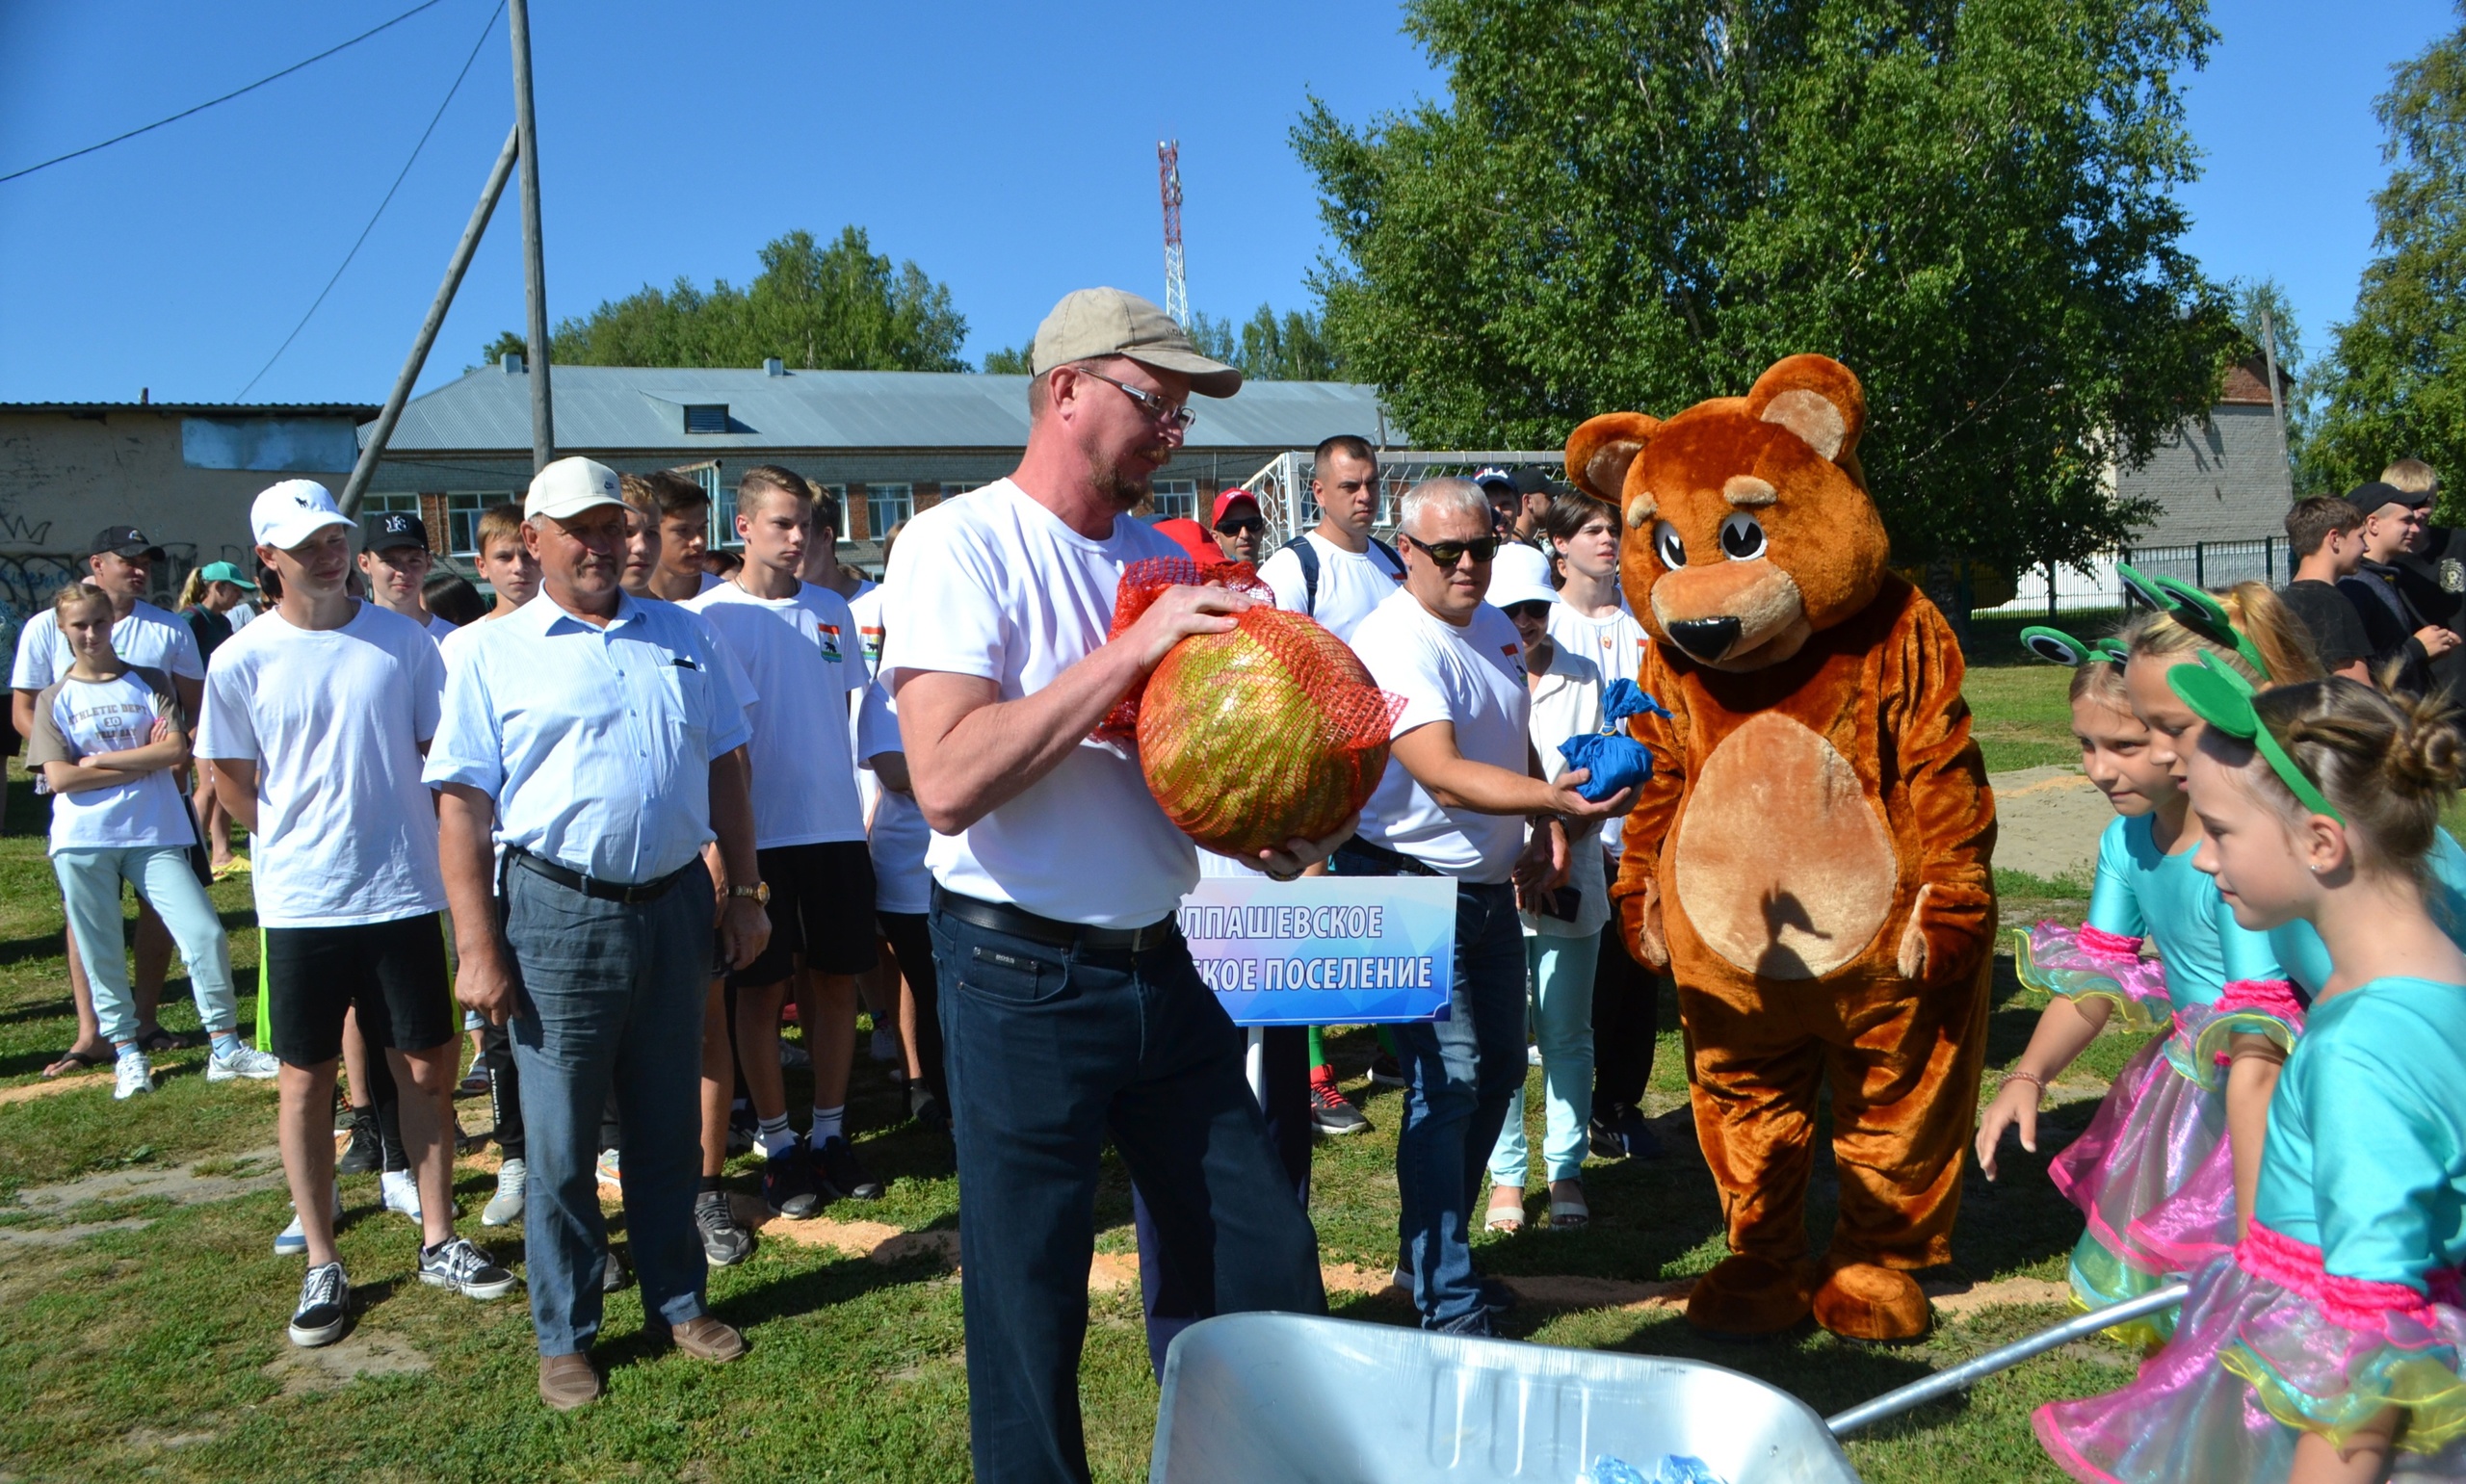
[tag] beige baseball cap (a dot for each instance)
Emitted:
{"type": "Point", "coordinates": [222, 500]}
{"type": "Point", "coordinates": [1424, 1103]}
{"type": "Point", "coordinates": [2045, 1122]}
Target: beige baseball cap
{"type": "Point", "coordinates": [570, 487]}
{"type": "Point", "coordinates": [1089, 323]}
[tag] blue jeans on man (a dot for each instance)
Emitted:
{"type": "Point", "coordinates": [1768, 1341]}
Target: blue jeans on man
{"type": "Point", "coordinates": [1049, 1052]}
{"type": "Point", "coordinates": [1459, 1075]}
{"type": "Point", "coordinates": [610, 1000]}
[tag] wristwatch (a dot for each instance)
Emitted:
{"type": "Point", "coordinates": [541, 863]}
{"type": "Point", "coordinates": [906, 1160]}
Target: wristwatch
{"type": "Point", "coordinates": [759, 891]}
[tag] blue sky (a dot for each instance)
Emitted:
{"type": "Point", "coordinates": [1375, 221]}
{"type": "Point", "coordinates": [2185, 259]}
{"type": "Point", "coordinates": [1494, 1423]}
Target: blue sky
{"type": "Point", "coordinates": [1009, 150]}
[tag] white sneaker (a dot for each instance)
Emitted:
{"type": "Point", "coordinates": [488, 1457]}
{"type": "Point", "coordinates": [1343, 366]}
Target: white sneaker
{"type": "Point", "coordinates": [133, 1075]}
{"type": "Point", "coordinates": [401, 1193]}
{"type": "Point", "coordinates": [505, 1208]}
{"type": "Point", "coordinates": [292, 1241]}
{"type": "Point", "coordinates": [242, 1060]}
{"type": "Point", "coordinates": [885, 1047]}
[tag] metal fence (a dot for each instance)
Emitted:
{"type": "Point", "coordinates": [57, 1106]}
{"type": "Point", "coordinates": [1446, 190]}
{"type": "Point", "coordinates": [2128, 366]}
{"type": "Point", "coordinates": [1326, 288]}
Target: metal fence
{"type": "Point", "coordinates": [1283, 486]}
{"type": "Point", "coordinates": [2210, 565]}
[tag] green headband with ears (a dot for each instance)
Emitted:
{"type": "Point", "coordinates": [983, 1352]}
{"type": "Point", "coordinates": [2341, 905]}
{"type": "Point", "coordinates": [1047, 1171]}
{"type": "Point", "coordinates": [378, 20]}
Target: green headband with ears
{"type": "Point", "coordinates": [2224, 699]}
{"type": "Point", "coordinates": [2195, 611]}
{"type": "Point", "coordinates": [2057, 647]}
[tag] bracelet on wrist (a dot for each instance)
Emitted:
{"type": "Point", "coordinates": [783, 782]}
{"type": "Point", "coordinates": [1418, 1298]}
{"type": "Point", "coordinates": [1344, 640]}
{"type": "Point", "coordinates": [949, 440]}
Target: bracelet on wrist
{"type": "Point", "coordinates": [2030, 1077]}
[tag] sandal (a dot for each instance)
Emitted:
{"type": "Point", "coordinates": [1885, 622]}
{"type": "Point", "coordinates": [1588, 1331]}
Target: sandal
{"type": "Point", "coordinates": [1505, 1218]}
{"type": "Point", "coordinates": [1568, 1215]}
{"type": "Point", "coordinates": [75, 1060]}
{"type": "Point", "coordinates": [158, 1039]}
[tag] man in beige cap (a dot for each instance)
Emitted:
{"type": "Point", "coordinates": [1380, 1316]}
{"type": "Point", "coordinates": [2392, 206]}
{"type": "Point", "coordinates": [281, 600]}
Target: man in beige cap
{"type": "Point", "coordinates": [596, 735]}
{"type": "Point", "coordinates": [1073, 1012]}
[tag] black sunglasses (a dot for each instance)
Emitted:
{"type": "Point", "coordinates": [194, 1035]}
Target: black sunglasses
{"type": "Point", "coordinates": [1448, 553]}
{"type": "Point", "coordinates": [1235, 527]}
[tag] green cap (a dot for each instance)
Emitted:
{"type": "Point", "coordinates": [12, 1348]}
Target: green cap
{"type": "Point", "coordinates": [224, 572]}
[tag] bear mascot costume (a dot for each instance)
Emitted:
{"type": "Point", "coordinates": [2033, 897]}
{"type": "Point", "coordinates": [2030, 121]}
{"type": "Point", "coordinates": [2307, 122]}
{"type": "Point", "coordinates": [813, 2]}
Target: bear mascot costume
{"type": "Point", "coordinates": [1809, 861]}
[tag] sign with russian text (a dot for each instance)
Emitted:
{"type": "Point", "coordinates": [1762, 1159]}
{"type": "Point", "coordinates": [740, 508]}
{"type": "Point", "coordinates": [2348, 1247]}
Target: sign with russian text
{"type": "Point", "coordinates": [1325, 951]}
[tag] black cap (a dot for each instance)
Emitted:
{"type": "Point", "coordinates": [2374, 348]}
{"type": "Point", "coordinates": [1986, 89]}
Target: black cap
{"type": "Point", "coordinates": [2370, 497]}
{"type": "Point", "coordinates": [384, 530]}
{"type": "Point", "coordinates": [126, 540]}
{"type": "Point", "coordinates": [1494, 474]}
{"type": "Point", "coordinates": [1529, 481]}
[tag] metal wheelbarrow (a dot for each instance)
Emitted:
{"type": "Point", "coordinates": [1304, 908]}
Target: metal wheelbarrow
{"type": "Point", "coordinates": [1250, 1398]}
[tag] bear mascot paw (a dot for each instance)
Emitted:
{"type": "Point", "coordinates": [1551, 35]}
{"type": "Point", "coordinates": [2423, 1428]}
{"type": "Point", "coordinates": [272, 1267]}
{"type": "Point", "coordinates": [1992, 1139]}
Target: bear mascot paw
{"type": "Point", "coordinates": [1810, 859]}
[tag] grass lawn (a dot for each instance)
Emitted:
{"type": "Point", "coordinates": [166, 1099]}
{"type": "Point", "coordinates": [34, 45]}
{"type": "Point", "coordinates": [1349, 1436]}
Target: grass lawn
{"type": "Point", "coordinates": [155, 1347]}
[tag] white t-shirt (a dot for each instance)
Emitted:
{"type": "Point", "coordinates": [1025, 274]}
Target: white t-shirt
{"type": "Point", "coordinates": [866, 608]}
{"type": "Point", "coordinates": [993, 585]}
{"type": "Point", "coordinates": [895, 833]}
{"type": "Point", "coordinates": [1473, 677]}
{"type": "Point", "coordinates": [1350, 583]}
{"type": "Point", "coordinates": [147, 638]}
{"type": "Point", "coordinates": [1617, 646]}
{"type": "Point", "coordinates": [76, 718]}
{"type": "Point", "coordinates": [1567, 703]}
{"type": "Point", "coordinates": [334, 720]}
{"type": "Point", "coordinates": [239, 614]}
{"type": "Point", "coordinates": [801, 654]}
{"type": "Point", "coordinates": [438, 628]}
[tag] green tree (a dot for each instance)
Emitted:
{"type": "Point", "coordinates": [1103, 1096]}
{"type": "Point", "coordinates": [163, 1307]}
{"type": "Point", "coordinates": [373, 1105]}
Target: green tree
{"type": "Point", "coordinates": [2390, 387]}
{"type": "Point", "coordinates": [842, 308]}
{"type": "Point", "coordinates": [508, 341]}
{"type": "Point", "coordinates": [1007, 361]}
{"type": "Point", "coordinates": [1643, 203]}
{"type": "Point", "coordinates": [1270, 347]}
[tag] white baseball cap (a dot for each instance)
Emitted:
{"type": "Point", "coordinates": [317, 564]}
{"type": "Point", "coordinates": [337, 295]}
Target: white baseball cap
{"type": "Point", "coordinates": [287, 515]}
{"type": "Point", "coordinates": [1519, 574]}
{"type": "Point", "coordinates": [570, 487]}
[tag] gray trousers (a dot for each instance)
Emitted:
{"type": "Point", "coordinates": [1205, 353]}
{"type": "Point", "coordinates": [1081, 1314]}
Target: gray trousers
{"type": "Point", "coordinates": [610, 997]}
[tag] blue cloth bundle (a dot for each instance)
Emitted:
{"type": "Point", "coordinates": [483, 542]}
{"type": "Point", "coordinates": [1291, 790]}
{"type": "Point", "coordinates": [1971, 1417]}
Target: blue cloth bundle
{"type": "Point", "coordinates": [1615, 760]}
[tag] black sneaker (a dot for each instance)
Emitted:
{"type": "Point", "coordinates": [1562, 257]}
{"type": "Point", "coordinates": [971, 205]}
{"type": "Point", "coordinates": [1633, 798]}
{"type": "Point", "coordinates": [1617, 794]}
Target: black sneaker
{"type": "Point", "coordinates": [458, 1264]}
{"type": "Point", "coordinates": [362, 1156]}
{"type": "Point", "coordinates": [927, 1108]}
{"type": "Point", "coordinates": [741, 1132]}
{"type": "Point", "coordinates": [1386, 1071]}
{"type": "Point", "coordinates": [612, 1271]}
{"type": "Point", "coordinates": [324, 1307]}
{"type": "Point", "coordinates": [1620, 1133]}
{"type": "Point", "coordinates": [788, 1186]}
{"type": "Point", "coordinates": [841, 1172]}
{"type": "Point", "coordinates": [724, 1243]}
{"type": "Point", "coordinates": [1331, 1113]}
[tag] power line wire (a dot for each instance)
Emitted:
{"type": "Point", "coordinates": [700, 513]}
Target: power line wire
{"type": "Point", "coordinates": [362, 238]}
{"type": "Point", "coordinates": [226, 98]}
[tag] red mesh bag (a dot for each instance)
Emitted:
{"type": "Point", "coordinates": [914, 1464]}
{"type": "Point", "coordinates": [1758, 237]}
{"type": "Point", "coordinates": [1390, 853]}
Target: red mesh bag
{"type": "Point", "coordinates": [1269, 733]}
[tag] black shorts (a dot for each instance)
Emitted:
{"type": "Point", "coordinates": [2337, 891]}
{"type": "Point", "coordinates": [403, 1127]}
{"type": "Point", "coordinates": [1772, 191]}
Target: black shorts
{"type": "Point", "coordinates": [821, 911]}
{"type": "Point", "coordinates": [394, 973]}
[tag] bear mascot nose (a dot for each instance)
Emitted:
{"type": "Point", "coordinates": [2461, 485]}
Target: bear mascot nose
{"type": "Point", "coordinates": [1706, 638]}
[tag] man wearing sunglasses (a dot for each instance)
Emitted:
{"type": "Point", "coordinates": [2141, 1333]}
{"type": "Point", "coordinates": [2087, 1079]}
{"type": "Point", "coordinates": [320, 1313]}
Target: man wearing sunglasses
{"type": "Point", "coordinates": [1462, 779]}
{"type": "Point", "coordinates": [1238, 525]}
{"type": "Point", "coordinates": [1072, 1011]}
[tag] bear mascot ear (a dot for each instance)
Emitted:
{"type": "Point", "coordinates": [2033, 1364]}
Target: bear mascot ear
{"type": "Point", "coordinates": [1817, 398]}
{"type": "Point", "coordinates": [1600, 449]}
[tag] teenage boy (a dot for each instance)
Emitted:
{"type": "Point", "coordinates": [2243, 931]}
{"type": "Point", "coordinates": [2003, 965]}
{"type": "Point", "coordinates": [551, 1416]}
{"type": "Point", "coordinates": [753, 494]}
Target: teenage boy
{"type": "Point", "coordinates": [395, 561]}
{"type": "Point", "coordinates": [315, 721]}
{"type": "Point", "coordinates": [2325, 533]}
{"type": "Point", "coordinates": [797, 643]}
{"type": "Point", "coordinates": [822, 566]}
{"type": "Point", "coordinates": [2393, 526]}
{"type": "Point", "coordinates": [684, 515]}
{"type": "Point", "coordinates": [120, 562]}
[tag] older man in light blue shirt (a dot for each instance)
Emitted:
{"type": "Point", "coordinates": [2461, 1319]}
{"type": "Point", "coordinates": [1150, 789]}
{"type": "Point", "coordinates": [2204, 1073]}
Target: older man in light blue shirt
{"type": "Point", "coordinates": [596, 736]}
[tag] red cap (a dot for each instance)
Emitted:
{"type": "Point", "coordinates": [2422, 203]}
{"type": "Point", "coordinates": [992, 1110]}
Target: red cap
{"type": "Point", "coordinates": [1225, 502]}
{"type": "Point", "coordinates": [1186, 534]}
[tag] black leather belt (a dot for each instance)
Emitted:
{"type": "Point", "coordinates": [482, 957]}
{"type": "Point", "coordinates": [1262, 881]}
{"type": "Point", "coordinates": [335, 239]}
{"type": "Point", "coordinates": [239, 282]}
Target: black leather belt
{"type": "Point", "coordinates": [1053, 933]}
{"type": "Point", "coordinates": [594, 888]}
{"type": "Point", "coordinates": [1394, 863]}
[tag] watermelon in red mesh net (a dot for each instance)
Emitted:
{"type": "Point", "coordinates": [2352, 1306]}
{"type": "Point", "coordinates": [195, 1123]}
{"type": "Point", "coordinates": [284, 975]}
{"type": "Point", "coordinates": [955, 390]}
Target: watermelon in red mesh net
{"type": "Point", "coordinates": [1269, 733]}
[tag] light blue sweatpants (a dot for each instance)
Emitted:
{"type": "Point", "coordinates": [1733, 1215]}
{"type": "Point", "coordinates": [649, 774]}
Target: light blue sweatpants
{"type": "Point", "coordinates": [1561, 987]}
{"type": "Point", "coordinates": [90, 886]}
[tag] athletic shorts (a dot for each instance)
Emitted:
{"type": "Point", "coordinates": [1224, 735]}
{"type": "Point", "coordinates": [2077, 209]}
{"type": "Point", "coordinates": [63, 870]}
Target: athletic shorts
{"type": "Point", "coordinates": [821, 911]}
{"type": "Point", "coordinates": [393, 972]}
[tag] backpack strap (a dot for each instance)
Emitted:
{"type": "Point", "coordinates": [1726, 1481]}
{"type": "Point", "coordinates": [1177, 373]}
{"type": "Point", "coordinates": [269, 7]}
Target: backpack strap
{"type": "Point", "coordinates": [1308, 555]}
{"type": "Point", "coordinates": [1389, 552]}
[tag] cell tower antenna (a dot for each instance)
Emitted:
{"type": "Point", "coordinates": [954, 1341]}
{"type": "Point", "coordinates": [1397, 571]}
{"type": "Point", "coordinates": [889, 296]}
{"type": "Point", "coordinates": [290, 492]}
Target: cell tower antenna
{"type": "Point", "coordinates": [1169, 184]}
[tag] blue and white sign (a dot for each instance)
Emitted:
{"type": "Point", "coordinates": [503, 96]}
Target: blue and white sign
{"type": "Point", "coordinates": [1325, 951]}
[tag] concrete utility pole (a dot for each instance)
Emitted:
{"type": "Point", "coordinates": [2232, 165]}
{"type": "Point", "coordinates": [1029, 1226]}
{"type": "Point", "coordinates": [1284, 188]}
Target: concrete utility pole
{"type": "Point", "coordinates": [2278, 407]}
{"type": "Point", "coordinates": [535, 272]}
{"type": "Point", "coordinates": [361, 472]}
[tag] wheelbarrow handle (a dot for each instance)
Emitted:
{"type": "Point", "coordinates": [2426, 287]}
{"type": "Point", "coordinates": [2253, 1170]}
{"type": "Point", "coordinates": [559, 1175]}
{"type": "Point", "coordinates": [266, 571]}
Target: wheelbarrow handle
{"type": "Point", "coordinates": [1959, 1377]}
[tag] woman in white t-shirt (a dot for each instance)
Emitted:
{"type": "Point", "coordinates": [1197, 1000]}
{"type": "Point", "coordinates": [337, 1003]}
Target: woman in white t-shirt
{"type": "Point", "coordinates": [1563, 929]}
{"type": "Point", "coordinates": [109, 739]}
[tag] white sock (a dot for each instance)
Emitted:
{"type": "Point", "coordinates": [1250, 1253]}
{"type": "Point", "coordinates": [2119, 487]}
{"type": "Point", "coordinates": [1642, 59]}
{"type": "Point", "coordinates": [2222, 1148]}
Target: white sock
{"type": "Point", "coordinates": [773, 1135]}
{"type": "Point", "coordinates": [225, 1042]}
{"type": "Point", "coordinates": [826, 1122]}
{"type": "Point", "coordinates": [127, 1049]}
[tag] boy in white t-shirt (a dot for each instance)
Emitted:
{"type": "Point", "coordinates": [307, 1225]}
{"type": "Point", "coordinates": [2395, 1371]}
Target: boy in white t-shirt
{"type": "Point", "coordinates": [394, 562]}
{"type": "Point", "coordinates": [315, 719]}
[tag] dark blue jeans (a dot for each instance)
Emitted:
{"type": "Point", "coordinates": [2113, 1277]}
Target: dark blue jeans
{"type": "Point", "coordinates": [609, 998]}
{"type": "Point", "coordinates": [1459, 1075]}
{"type": "Point", "coordinates": [1048, 1052]}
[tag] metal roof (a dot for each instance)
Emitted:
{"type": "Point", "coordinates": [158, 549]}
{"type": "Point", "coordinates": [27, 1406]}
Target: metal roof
{"type": "Point", "coordinates": [359, 411]}
{"type": "Point", "coordinates": [625, 407]}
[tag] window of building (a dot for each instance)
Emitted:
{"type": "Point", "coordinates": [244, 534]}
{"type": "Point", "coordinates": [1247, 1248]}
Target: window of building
{"type": "Point", "coordinates": [886, 505]}
{"type": "Point", "coordinates": [380, 505]}
{"type": "Point", "coordinates": [462, 519]}
{"type": "Point", "coordinates": [951, 487]}
{"type": "Point", "coordinates": [706, 417]}
{"type": "Point", "coordinates": [1176, 499]}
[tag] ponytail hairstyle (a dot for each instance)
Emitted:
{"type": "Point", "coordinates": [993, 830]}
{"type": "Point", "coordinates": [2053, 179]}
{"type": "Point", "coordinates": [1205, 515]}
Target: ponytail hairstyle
{"type": "Point", "coordinates": [192, 590]}
{"type": "Point", "coordinates": [2256, 612]}
{"type": "Point", "coordinates": [2390, 763]}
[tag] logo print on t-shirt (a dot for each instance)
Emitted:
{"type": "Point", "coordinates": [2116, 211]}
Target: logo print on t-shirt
{"type": "Point", "coordinates": [828, 634]}
{"type": "Point", "coordinates": [1511, 650]}
{"type": "Point", "coordinates": [870, 641]}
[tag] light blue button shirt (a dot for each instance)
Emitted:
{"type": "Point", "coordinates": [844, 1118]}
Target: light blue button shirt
{"type": "Point", "coordinates": [596, 744]}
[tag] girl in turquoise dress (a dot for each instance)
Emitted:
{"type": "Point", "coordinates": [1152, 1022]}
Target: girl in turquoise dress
{"type": "Point", "coordinates": [2155, 1174]}
{"type": "Point", "coordinates": [2325, 1346]}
